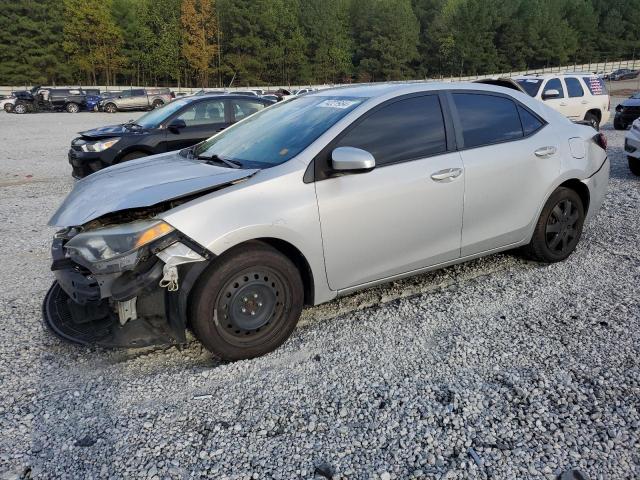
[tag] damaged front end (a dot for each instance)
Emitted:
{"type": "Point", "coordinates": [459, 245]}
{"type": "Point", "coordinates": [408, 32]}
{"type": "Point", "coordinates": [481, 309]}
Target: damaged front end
{"type": "Point", "coordinates": [123, 276]}
{"type": "Point", "coordinates": [122, 285]}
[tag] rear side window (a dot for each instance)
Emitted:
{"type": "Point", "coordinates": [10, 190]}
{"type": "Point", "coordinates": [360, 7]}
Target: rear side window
{"type": "Point", "coordinates": [137, 93]}
{"type": "Point", "coordinates": [404, 130]}
{"type": "Point", "coordinates": [574, 89]}
{"type": "Point", "coordinates": [487, 119]}
{"type": "Point", "coordinates": [244, 108]}
{"type": "Point", "coordinates": [530, 123]}
{"type": "Point", "coordinates": [595, 85]}
{"type": "Point", "coordinates": [555, 84]}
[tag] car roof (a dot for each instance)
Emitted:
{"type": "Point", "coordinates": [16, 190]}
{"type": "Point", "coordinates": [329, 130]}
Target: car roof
{"type": "Point", "coordinates": [203, 97]}
{"type": "Point", "coordinates": [374, 90]}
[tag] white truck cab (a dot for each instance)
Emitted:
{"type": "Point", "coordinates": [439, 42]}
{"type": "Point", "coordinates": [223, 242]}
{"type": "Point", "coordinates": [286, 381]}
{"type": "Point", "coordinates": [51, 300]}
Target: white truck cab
{"type": "Point", "coordinates": [578, 96]}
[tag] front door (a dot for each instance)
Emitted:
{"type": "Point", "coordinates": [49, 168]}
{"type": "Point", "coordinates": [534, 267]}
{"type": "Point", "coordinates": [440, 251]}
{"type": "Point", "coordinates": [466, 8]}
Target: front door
{"type": "Point", "coordinates": [560, 102]}
{"type": "Point", "coordinates": [406, 213]}
{"type": "Point", "coordinates": [203, 119]}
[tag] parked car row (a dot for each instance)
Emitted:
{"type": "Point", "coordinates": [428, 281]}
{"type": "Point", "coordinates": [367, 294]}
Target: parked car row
{"type": "Point", "coordinates": [309, 199]}
{"type": "Point", "coordinates": [622, 74]}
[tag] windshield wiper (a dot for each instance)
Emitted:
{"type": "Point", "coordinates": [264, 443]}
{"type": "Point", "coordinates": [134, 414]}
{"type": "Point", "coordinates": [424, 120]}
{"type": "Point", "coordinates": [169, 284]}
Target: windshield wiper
{"type": "Point", "coordinates": [218, 159]}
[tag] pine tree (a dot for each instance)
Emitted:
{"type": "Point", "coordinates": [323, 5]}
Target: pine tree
{"type": "Point", "coordinates": [199, 32]}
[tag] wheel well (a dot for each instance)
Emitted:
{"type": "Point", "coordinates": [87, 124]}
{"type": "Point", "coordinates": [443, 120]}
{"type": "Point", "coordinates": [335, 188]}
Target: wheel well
{"type": "Point", "coordinates": [581, 189]}
{"type": "Point", "coordinates": [596, 112]}
{"type": "Point", "coordinates": [298, 259]}
{"type": "Point", "coordinates": [133, 150]}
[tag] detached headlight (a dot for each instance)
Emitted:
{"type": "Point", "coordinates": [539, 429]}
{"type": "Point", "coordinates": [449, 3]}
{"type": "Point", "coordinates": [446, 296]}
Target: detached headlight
{"type": "Point", "coordinates": [100, 145]}
{"type": "Point", "coordinates": [115, 248]}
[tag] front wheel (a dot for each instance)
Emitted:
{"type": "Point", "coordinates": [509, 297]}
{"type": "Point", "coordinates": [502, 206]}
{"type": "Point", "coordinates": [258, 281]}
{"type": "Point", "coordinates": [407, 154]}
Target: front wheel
{"type": "Point", "coordinates": [559, 227]}
{"type": "Point", "coordinates": [8, 107]}
{"type": "Point", "coordinates": [248, 302]}
{"type": "Point", "coordinates": [634, 165]}
{"type": "Point", "coordinates": [20, 108]}
{"type": "Point", "coordinates": [618, 124]}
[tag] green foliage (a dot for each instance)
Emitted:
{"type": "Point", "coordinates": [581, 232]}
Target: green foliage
{"type": "Point", "coordinates": [279, 42]}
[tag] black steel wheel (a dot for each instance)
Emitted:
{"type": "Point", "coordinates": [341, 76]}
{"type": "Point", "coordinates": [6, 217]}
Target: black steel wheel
{"type": "Point", "coordinates": [559, 227]}
{"type": "Point", "coordinates": [247, 303]}
{"type": "Point", "coordinates": [110, 108]}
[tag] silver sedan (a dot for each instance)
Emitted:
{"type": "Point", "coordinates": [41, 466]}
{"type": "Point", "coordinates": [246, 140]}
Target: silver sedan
{"type": "Point", "coordinates": [314, 198]}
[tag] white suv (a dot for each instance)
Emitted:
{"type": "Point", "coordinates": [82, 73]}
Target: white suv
{"type": "Point", "coordinates": [578, 96]}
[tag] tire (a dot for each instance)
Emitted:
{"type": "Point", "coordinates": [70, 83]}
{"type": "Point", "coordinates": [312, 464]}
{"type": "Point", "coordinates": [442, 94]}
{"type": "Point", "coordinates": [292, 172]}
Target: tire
{"type": "Point", "coordinates": [634, 165]}
{"type": "Point", "coordinates": [618, 124]}
{"type": "Point", "coordinates": [559, 227]}
{"type": "Point", "coordinates": [72, 107]}
{"type": "Point", "coordinates": [20, 108]}
{"type": "Point", "coordinates": [8, 107]}
{"type": "Point", "coordinates": [133, 156]}
{"type": "Point", "coordinates": [247, 303]}
{"type": "Point", "coordinates": [110, 108]}
{"type": "Point", "coordinates": [157, 103]}
{"type": "Point", "coordinates": [592, 118]}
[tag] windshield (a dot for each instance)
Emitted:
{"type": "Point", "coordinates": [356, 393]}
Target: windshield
{"type": "Point", "coordinates": [278, 133]}
{"type": "Point", "coordinates": [155, 117]}
{"type": "Point", "coordinates": [530, 85]}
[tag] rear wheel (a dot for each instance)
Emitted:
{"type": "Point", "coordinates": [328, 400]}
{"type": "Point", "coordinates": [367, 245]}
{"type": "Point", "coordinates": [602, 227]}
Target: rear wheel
{"type": "Point", "coordinates": [593, 119]}
{"type": "Point", "coordinates": [248, 303]}
{"type": "Point", "coordinates": [72, 107]}
{"type": "Point", "coordinates": [634, 165]}
{"type": "Point", "coordinates": [20, 108]}
{"type": "Point", "coordinates": [110, 108]}
{"type": "Point", "coordinates": [157, 103]}
{"type": "Point", "coordinates": [559, 227]}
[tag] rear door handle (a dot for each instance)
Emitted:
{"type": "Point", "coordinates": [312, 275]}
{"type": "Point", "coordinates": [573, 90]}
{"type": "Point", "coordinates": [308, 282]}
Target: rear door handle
{"type": "Point", "coordinates": [446, 175]}
{"type": "Point", "coordinates": [545, 152]}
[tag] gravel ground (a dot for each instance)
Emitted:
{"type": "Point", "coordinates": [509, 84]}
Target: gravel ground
{"type": "Point", "coordinates": [499, 368]}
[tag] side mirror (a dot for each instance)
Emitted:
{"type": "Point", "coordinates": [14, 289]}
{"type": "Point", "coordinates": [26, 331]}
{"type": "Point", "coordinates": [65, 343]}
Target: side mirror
{"type": "Point", "coordinates": [551, 93]}
{"type": "Point", "coordinates": [350, 159]}
{"type": "Point", "coordinates": [176, 125]}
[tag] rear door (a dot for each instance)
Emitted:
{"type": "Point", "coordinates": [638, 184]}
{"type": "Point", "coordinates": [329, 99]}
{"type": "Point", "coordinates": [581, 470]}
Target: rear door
{"type": "Point", "coordinates": [203, 119]}
{"type": "Point", "coordinates": [510, 160]}
{"type": "Point", "coordinates": [401, 216]}
{"type": "Point", "coordinates": [139, 98]}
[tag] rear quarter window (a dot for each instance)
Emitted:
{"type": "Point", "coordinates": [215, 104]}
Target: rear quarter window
{"type": "Point", "coordinates": [595, 85]}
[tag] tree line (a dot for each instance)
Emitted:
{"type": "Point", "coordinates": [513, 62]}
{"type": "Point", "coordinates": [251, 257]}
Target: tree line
{"type": "Point", "coordinates": [283, 42]}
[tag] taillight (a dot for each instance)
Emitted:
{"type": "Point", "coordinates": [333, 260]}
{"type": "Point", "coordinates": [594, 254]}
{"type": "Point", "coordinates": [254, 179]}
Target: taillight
{"type": "Point", "coordinates": [600, 140]}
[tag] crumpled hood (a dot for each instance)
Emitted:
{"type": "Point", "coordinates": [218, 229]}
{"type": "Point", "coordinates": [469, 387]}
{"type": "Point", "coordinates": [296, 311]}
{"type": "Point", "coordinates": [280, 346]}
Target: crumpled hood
{"type": "Point", "coordinates": [141, 183]}
{"type": "Point", "coordinates": [110, 131]}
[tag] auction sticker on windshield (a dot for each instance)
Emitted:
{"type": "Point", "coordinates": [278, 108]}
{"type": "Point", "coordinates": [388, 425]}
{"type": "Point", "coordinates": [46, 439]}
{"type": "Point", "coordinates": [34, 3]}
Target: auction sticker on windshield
{"type": "Point", "coordinates": [337, 103]}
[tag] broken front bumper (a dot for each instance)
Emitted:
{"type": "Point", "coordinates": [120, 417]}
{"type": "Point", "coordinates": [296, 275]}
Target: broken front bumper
{"type": "Point", "coordinates": [135, 308]}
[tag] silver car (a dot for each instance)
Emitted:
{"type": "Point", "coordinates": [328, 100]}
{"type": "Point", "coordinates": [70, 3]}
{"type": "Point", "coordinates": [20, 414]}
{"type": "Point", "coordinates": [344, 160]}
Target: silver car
{"type": "Point", "coordinates": [311, 199]}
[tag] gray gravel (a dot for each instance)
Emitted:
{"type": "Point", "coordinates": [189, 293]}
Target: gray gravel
{"type": "Point", "coordinates": [499, 368]}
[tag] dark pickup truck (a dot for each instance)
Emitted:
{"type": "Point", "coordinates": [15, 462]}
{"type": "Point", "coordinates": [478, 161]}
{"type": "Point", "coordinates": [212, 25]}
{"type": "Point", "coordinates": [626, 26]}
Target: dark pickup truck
{"type": "Point", "coordinates": [40, 99]}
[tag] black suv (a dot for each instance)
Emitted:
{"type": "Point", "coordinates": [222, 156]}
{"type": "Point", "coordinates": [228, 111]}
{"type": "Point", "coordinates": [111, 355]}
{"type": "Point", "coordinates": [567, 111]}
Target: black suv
{"type": "Point", "coordinates": [179, 124]}
{"type": "Point", "coordinates": [627, 112]}
{"type": "Point", "coordinates": [40, 99]}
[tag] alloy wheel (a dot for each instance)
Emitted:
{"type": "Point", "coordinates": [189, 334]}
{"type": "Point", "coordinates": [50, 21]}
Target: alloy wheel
{"type": "Point", "coordinates": [561, 231]}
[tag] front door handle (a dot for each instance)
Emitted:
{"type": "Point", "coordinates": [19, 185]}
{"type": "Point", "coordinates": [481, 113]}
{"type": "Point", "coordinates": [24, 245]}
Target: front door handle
{"type": "Point", "coordinates": [446, 175]}
{"type": "Point", "coordinates": [545, 152]}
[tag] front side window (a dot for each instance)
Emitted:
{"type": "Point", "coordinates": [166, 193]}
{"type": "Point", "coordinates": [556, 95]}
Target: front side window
{"type": "Point", "coordinates": [203, 113]}
{"type": "Point", "coordinates": [487, 119]}
{"type": "Point", "coordinates": [555, 84]}
{"type": "Point", "coordinates": [407, 129]}
{"type": "Point", "coordinates": [125, 94]}
{"type": "Point", "coordinates": [574, 89]}
{"type": "Point", "coordinates": [244, 108]}
{"type": "Point", "coordinates": [276, 134]}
